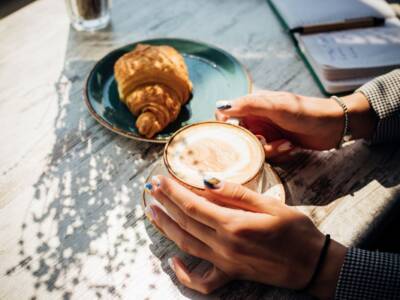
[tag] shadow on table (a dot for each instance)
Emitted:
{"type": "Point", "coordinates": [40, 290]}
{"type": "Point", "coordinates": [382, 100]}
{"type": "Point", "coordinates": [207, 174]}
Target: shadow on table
{"type": "Point", "coordinates": [87, 168]}
{"type": "Point", "coordinates": [319, 178]}
{"type": "Point", "coordinates": [8, 7]}
{"type": "Point", "coordinates": [89, 189]}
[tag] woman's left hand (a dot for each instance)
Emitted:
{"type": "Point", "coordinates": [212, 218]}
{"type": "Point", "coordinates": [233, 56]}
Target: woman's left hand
{"type": "Point", "coordinates": [244, 235]}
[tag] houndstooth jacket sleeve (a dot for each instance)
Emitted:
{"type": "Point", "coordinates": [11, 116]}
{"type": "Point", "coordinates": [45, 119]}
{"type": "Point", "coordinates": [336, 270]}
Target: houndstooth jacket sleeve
{"type": "Point", "coordinates": [383, 93]}
{"type": "Point", "coordinates": [367, 274]}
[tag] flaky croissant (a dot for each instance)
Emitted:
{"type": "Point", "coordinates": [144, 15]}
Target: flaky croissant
{"type": "Point", "coordinates": [153, 82]}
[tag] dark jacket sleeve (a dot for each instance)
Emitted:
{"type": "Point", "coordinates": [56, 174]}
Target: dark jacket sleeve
{"type": "Point", "coordinates": [383, 93]}
{"type": "Point", "coordinates": [369, 275]}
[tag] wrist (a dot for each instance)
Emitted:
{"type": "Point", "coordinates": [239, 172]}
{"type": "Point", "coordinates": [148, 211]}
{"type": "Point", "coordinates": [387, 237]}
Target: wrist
{"type": "Point", "coordinates": [330, 118]}
{"type": "Point", "coordinates": [362, 119]}
{"type": "Point", "coordinates": [324, 285]}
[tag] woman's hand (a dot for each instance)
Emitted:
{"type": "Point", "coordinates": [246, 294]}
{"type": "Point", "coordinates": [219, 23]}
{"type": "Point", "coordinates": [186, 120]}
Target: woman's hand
{"type": "Point", "coordinates": [244, 235]}
{"type": "Point", "coordinates": [287, 120]}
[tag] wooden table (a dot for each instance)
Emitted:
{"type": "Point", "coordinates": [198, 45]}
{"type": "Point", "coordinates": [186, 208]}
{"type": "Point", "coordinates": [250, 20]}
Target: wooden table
{"type": "Point", "coordinates": [71, 225]}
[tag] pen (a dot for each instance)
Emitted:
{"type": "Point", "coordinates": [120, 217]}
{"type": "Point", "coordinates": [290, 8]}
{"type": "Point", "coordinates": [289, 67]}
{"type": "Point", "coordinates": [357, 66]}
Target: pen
{"type": "Point", "coordinates": [341, 25]}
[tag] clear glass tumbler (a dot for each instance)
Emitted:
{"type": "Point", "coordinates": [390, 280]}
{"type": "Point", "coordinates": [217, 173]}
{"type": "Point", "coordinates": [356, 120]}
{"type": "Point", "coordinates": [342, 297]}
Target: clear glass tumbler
{"type": "Point", "coordinates": [89, 15]}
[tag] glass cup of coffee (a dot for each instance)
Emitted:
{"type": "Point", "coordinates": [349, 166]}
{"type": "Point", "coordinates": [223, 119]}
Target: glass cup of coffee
{"type": "Point", "coordinates": [214, 149]}
{"type": "Point", "coordinates": [89, 15]}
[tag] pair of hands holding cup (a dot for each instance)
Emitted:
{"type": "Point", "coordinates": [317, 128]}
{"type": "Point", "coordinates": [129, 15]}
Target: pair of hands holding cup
{"type": "Point", "coordinates": [243, 234]}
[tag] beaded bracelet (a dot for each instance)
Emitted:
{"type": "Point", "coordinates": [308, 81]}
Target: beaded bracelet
{"type": "Point", "coordinates": [346, 135]}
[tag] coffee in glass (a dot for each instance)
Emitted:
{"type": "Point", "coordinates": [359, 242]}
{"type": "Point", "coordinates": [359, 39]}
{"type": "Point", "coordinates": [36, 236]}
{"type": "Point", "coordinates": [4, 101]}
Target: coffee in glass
{"type": "Point", "coordinates": [215, 149]}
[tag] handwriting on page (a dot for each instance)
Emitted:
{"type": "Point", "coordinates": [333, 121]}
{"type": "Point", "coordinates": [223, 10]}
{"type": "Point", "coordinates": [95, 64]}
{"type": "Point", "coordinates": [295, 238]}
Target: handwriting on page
{"type": "Point", "coordinates": [356, 48]}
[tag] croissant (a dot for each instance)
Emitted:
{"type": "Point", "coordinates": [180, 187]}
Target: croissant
{"type": "Point", "coordinates": [153, 82]}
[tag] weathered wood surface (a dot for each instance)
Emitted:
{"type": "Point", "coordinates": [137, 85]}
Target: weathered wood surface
{"type": "Point", "coordinates": [71, 225]}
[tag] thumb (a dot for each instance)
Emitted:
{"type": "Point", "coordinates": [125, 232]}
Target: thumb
{"type": "Point", "coordinates": [237, 196]}
{"type": "Point", "coordinates": [249, 105]}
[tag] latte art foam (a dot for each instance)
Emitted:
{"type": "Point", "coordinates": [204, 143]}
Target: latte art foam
{"type": "Point", "coordinates": [214, 149]}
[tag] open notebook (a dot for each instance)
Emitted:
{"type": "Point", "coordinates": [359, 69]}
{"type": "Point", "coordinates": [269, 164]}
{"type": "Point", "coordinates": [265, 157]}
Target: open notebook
{"type": "Point", "coordinates": [344, 60]}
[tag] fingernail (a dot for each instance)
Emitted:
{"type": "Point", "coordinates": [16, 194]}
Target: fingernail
{"type": "Point", "coordinates": [223, 104]}
{"type": "Point", "coordinates": [212, 182]}
{"type": "Point", "coordinates": [171, 263]}
{"type": "Point", "coordinates": [233, 121]}
{"type": "Point", "coordinates": [150, 213]}
{"type": "Point", "coordinates": [261, 139]}
{"type": "Point", "coordinates": [156, 181]}
{"type": "Point", "coordinates": [148, 187]}
{"type": "Point", "coordinates": [286, 146]}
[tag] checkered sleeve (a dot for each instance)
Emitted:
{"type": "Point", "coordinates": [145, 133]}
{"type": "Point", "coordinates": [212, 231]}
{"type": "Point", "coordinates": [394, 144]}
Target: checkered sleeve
{"type": "Point", "coordinates": [369, 275]}
{"type": "Point", "coordinates": [383, 93]}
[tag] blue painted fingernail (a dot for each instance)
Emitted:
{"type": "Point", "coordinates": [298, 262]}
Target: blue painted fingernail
{"type": "Point", "coordinates": [223, 104]}
{"type": "Point", "coordinates": [286, 146]}
{"type": "Point", "coordinates": [211, 182]}
{"type": "Point", "coordinates": [148, 187]}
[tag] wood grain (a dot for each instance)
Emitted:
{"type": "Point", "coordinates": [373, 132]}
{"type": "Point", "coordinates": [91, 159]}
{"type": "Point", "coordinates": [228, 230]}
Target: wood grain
{"type": "Point", "coordinates": [71, 226]}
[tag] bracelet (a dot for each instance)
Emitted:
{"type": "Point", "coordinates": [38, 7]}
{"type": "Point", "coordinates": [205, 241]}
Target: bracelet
{"type": "Point", "coordinates": [320, 262]}
{"type": "Point", "coordinates": [346, 136]}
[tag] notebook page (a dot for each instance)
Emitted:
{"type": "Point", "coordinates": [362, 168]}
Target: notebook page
{"type": "Point", "coordinates": [337, 85]}
{"type": "Point", "coordinates": [355, 49]}
{"type": "Point", "coordinates": [298, 13]}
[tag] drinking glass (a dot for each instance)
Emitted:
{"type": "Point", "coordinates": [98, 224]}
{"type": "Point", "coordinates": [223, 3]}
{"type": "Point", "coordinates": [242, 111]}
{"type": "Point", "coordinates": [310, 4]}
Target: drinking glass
{"type": "Point", "coordinates": [89, 15]}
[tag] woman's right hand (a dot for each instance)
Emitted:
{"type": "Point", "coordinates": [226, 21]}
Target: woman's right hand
{"type": "Point", "coordinates": [284, 121]}
{"type": "Point", "coordinates": [244, 235]}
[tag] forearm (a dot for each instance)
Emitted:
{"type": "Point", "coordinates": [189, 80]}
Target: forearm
{"type": "Point", "coordinates": [375, 109]}
{"type": "Point", "coordinates": [362, 118]}
{"type": "Point", "coordinates": [325, 284]}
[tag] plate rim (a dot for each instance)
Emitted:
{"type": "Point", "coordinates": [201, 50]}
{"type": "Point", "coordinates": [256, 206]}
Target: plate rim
{"type": "Point", "coordinates": [128, 134]}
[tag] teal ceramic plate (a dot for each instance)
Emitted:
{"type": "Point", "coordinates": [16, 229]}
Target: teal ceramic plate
{"type": "Point", "coordinates": [215, 75]}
